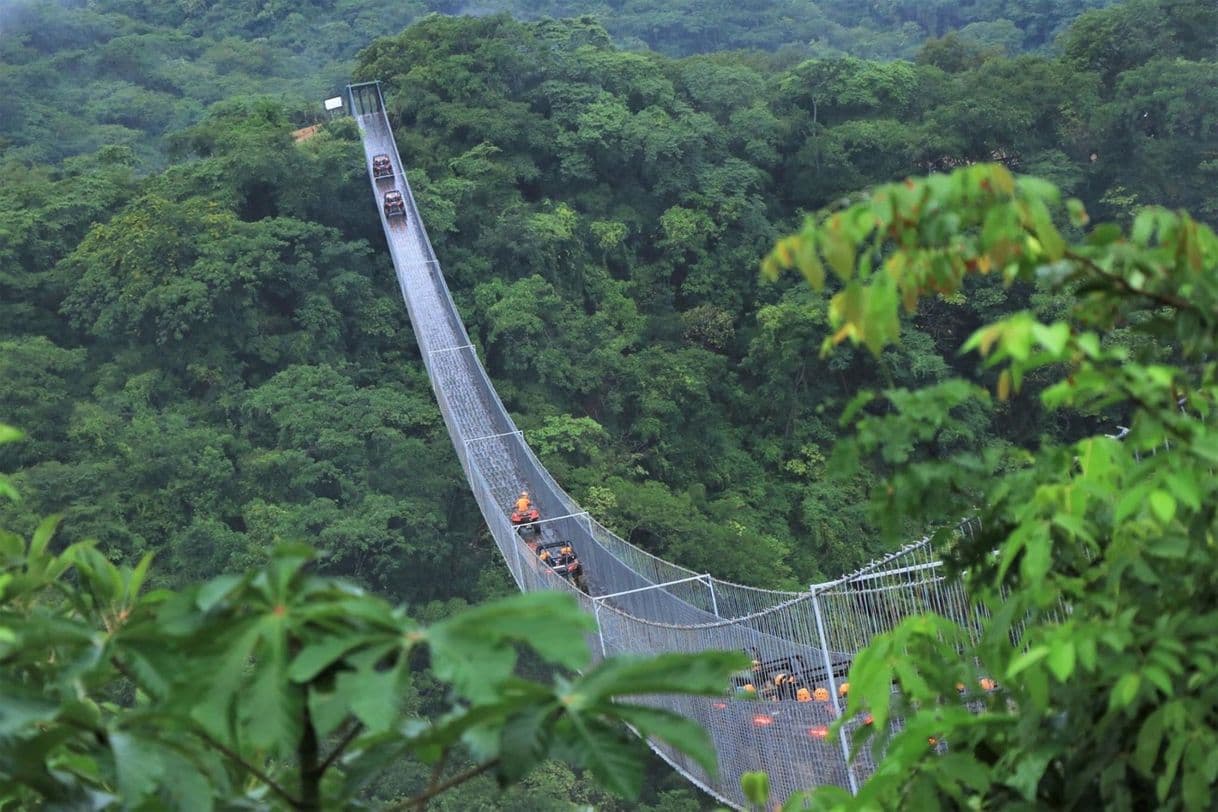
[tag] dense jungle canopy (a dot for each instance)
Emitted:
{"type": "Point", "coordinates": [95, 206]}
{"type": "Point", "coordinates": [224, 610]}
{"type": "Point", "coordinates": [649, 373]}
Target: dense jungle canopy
{"type": "Point", "coordinates": [201, 336]}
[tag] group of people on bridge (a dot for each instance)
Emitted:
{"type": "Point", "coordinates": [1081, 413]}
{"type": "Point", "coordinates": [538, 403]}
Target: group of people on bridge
{"type": "Point", "coordinates": [559, 555]}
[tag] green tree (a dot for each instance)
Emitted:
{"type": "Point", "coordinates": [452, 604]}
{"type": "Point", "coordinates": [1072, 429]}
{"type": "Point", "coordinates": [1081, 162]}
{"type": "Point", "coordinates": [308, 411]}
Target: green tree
{"type": "Point", "coordinates": [1094, 555]}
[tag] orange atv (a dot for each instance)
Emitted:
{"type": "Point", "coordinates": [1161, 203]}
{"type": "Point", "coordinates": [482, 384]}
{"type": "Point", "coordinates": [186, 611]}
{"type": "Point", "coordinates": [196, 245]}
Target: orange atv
{"type": "Point", "coordinates": [382, 167]}
{"type": "Point", "coordinates": [531, 514]}
{"type": "Point", "coordinates": [394, 204]}
{"type": "Point", "coordinates": [525, 517]}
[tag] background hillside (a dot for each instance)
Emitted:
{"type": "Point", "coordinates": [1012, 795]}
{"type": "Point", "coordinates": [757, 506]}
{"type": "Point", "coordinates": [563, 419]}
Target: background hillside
{"type": "Point", "coordinates": [132, 71]}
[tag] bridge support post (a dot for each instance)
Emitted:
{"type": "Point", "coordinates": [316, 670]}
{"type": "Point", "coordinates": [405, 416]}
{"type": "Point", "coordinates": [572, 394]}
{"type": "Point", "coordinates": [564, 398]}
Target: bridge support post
{"type": "Point", "coordinates": [710, 584]}
{"type": "Point", "coordinates": [600, 632]}
{"type": "Point", "coordinates": [516, 542]}
{"type": "Point", "coordinates": [833, 697]}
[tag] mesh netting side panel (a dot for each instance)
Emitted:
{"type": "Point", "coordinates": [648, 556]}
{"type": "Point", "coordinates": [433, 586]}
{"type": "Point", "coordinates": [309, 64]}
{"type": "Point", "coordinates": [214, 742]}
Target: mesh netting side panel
{"type": "Point", "coordinates": [774, 732]}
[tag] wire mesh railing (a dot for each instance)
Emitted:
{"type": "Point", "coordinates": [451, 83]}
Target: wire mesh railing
{"type": "Point", "coordinates": [775, 716]}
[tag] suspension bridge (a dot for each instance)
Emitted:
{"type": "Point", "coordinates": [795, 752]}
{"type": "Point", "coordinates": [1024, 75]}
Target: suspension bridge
{"type": "Point", "coordinates": [643, 604]}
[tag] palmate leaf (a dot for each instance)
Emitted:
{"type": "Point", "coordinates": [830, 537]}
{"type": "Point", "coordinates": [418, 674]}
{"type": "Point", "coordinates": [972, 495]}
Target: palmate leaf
{"type": "Point", "coordinates": [270, 709]}
{"type": "Point", "coordinates": [227, 673]}
{"type": "Point", "coordinates": [683, 734]}
{"type": "Point", "coordinates": [189, 788]}
{"type": "Point", "coordinates": [475, 650]}
{"type": "Point", "coordinates": [369, 757]}
{"type": "Point", "coordinates": [316, 657]}
{"type": "Point", "coordinates": [137, 762]}
{"type": "Point", "coordinates": [42, 537]}
{"type": "Point", "coordinates": [613, 756]}
{"type": "Point", "coordinates": [706, 673]}
{"type": "Point", "coordinates": [525, 741]}
{"type": "Point", "coordinates": [327, 710]}
{"type": "Point", "coordinates": [479, 721]}
{"type": "Point", "coordinates": [346, 608]}
{"type": "Point", "coordinates": [373, 696]}
{"type": "Point", "coordinates": [216, 590]}
{"type": "Point", "coordinates": [20, 708]}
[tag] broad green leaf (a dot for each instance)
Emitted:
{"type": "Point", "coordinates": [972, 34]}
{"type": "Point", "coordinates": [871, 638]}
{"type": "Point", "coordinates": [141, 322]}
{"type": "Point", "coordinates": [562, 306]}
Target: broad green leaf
{"type": "Point", "coordinates": [756, 787]}
{"type": "Point", "coordinates": [1198, 776]}
{"type": "Point", "coordinates": [1185, 488]}
{"type": "Point", "coordinates": [187, 786]}
{"type": "Point", "coordinates": [1037, 189]}
{"type": "Point", "coordinates": [18, 710]}
{"type": "Point", "coordinates": [839, 251]}
{"type": "Point", "coordinates": [1025, 778]}
{"type": "Point", "coordinates": [216, 590]}
{"type": "Point", "coordinates": [613, 757]}
{"type": "Point", "coordinates": [679, 732]}
{"type": "Point", "coordinates": [525, 740]}
{"type": "Point", "coordinates": [42, 536]}
{"type": "Point", "coordinates": [369, 758]}
{"type": "Point", "coordinates": [706, 673]}
{"type": "Point", "coordinates": [1053, 337]}
{"type": "Point", "coordinates": [1077, 212]}
{"type": "Point", "coordinates": [871, 683]}
{"type": "Point", "coordinates": [1026, 660]}
{"type": "Point", "coordinates": [1163, 504]}
{"type": "Point", "coordinates": [327, 710]}
{"type": "Point", "coordinates": [374, 696]}
{"type": "Point", "coordinates": [809, 263]}
{"type": "Point", "coordinates": [1148, 742]}
{"type": "Point", "coordinates": [138, 763]}
{"type": "Point", "coordinates": [1038, 555]}
{"type": "Point", "coordinates": [226, 675]}
{"type": "Point", "coordinates": [85, 766]}
{"type": "Point", "coordinates": [475, 650]}
{"type": "Point", "coordinates": [1144, 225]}
{"type": "Point", "coordinates": [1036, 683]}
{"type": "Point", "coordinates": [136, 581]}
{"type": "Point", "coordinates": [964, 768]}
{"type": "Point", "coordinates": [316, 657]}
{"type": "Point", "coordinates": [1131, 501]}
{"type": "Point", "coordinates": [1125, 690]}
{"type": "Point", "coordinates": [1159, 678]}
{"type": "Point", "coordinates": [1061, 659]}
{"type": "Point", "coordinates": [271, 709]}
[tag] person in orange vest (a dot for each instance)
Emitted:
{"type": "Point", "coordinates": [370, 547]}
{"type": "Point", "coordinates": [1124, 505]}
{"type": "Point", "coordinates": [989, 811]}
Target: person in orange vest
{"type": "Point", "coordinates": [523, 504]}
{"type": "Point", "coordinates": [803, 695]}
